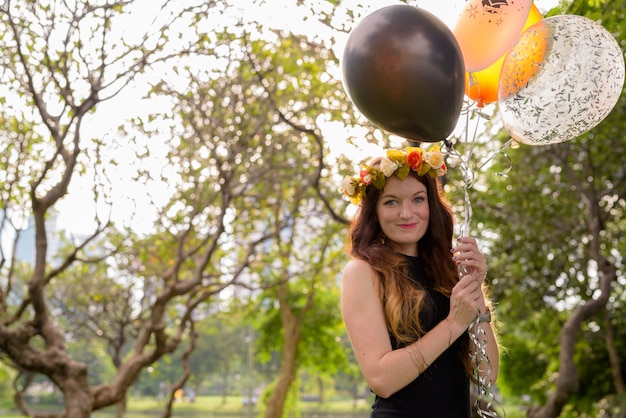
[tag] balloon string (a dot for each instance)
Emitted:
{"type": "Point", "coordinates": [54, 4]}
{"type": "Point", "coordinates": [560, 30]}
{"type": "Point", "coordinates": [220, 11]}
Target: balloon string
{"type": "Point", "coordinates": [485, 402]}
{"type": "Point", "coordinates": [512, 143]}
{"type": "Point", "coordinates": [468, 174]}
{"type": "Point", "coordinates": [476, 333]}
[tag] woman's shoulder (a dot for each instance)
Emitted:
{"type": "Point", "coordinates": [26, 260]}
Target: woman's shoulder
{"type": "Point", "coordinates": [359, 274]}
{"type": "Point", "coordinates": [359, 287]}
{"type": "Point", "coordinates": [358, 268]}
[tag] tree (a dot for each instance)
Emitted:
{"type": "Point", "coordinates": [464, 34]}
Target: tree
{"type": "Point", "coordinates": [302, 324]}
{"type": "Point", "coordinates": [297, 268]}
{"type": "Point", "coordinates": [557, 219]}
{"type": "Point", "coordinates": [221, 349]}
{"type": "Point", "coordinates": [62, 64]}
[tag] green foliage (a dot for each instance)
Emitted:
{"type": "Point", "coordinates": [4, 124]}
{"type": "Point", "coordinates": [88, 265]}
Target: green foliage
{"type": "Point", "coordinates": [321, 331]}
{"type": "Point", "coordinates": [240, 137]}
{"type": "Point", "coordinates": [221, 349]}
{"type": "Point", "coordinates": [541, 267]}
{"type": "Point", "coordinates": [596, 381]}
{"type": "Point", "coordinates": [522, 365]}
{"type": "Point", "coordinates": [539, 224]}
{"type": "Point", "coordinates": [158, 379]}
{"type": "Point", "coordinates": [6, 377]}
{"type": "Point", "coordinates": [241, 151]}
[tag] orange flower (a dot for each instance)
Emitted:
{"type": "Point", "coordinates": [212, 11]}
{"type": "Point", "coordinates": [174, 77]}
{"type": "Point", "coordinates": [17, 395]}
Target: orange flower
{"type": "Point", "coordinates": [415, 159]}
{"type": "Point", "coordinates": [366, 177]}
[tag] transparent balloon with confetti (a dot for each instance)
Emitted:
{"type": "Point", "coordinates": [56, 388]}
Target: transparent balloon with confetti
{"type": "Point", "coordinates": [572, 85]}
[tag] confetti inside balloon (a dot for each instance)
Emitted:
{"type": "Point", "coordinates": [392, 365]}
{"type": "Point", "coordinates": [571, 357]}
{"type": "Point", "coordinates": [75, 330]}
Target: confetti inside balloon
{"type": "Point", "coordinates": [572, 89]}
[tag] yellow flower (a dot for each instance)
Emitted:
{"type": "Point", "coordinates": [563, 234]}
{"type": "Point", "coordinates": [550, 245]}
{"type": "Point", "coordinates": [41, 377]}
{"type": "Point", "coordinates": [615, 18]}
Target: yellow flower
{"type": "Point", "coordinates": [397, 156]}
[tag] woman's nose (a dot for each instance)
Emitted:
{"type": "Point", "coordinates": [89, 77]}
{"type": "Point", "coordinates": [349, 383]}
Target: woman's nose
{"type": "Point", "coordinates": [405, 211]}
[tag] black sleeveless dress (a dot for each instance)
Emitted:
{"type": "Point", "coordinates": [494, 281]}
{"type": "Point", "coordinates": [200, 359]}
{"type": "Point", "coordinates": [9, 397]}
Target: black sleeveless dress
{"type": "Point", "coordinates": [442, 390]}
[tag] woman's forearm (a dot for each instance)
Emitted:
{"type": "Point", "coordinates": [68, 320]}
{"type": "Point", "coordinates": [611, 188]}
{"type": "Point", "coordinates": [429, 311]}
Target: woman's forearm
{"type": "Point", "coordinates": [485, 332]}
{"type": "Point", "coordinates": [404, 365]}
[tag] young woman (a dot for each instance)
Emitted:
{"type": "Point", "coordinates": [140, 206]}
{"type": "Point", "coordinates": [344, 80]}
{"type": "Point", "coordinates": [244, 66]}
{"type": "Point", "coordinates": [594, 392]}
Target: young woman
{"type": "Point", "coordinates": [406, 307]}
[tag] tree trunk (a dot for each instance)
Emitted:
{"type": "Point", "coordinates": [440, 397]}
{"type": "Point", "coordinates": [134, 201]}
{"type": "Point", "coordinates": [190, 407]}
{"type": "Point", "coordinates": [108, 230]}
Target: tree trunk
{"type": "Point", "coordinates": [225, 390]}
{"type": "Point", "coordinates": [616, 369]}
{"type": "Point", "coordinates": [293, 330]}
{"type": "Point", "coordinates": [355, 394]}
{"type": "Point", "coordinates": [78, 398]}
{"type": "Point", "coordinates": [567, 381]}
{"type": "Point", "coordinates": [121, 408]}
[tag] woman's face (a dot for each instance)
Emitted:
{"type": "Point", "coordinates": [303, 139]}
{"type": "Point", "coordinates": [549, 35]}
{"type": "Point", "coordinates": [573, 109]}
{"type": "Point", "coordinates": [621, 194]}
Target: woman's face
{"type": "Point", "coordinates": [403, 213]}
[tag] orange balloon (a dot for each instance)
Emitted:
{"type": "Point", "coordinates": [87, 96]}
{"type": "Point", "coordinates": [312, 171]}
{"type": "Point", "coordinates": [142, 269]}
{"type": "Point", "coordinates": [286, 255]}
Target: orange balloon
{"type": "Point", "coordinates": [487, 29]}
{"type": "Point", "coordinates": [524, 60]}
{"type": "Point", "coordinates": [482, 85]}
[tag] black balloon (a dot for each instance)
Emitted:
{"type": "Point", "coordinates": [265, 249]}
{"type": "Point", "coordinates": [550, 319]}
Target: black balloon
{"type": "Point", "coordinates": [403, 69]}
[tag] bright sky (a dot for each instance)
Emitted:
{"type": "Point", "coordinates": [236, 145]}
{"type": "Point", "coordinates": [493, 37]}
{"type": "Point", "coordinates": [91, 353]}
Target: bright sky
{"type": "Point", "coordinates": [276, 13]}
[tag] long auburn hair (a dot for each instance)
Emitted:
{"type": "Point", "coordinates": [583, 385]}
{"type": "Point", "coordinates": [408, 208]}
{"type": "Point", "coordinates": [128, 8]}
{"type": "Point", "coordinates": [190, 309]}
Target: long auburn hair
{"type": "Point", "coordinates": [400, 298]}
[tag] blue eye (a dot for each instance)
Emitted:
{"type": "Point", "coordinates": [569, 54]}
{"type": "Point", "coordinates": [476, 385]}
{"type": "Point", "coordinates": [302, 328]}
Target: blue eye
{"type": "Point", "coordinates": [389, 202]}
{"type": "Point", "coordinates": [418, 199]}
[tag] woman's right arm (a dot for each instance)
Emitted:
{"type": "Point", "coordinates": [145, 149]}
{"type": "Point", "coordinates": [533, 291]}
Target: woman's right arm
{"type": "Point", "coordinates": [387, 371]}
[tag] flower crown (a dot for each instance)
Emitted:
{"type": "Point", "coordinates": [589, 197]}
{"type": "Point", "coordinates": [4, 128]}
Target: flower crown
{"type": "Point", "coordinates": [396, 163]}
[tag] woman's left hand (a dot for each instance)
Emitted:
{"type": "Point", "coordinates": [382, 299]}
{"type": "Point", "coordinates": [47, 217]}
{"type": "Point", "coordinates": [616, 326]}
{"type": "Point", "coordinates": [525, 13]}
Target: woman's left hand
{"type": "Point", "coordinates": [467, 255]}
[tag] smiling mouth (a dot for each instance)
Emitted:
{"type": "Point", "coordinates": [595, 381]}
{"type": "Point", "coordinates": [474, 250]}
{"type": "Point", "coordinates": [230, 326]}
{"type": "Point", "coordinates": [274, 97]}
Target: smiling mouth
{"type": "Point", "coordinates": [407, 226]}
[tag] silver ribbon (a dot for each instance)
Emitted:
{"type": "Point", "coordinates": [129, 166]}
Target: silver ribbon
{"type": "Point", "coordinates": [485, 401]}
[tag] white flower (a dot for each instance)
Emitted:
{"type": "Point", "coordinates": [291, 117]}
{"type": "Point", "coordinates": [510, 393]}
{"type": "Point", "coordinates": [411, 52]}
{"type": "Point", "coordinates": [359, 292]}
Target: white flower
{"type": "Point", "coordinates": [434, 159]}
{"type": "Point", "coordinates": [388, 167]}
{"type": "Point", "coordinates": [348, 186]}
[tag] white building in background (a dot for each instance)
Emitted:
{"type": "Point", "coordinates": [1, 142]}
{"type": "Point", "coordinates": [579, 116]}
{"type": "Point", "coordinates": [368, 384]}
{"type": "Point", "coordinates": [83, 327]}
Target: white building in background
{"type": "Point", "coordinates": [25, 250]}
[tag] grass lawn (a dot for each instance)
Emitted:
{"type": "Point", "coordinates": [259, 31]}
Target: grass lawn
{"type": "Point", "coordinates": [230, 407]}
{"type": "Point", "coordinates": [210, 406]}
